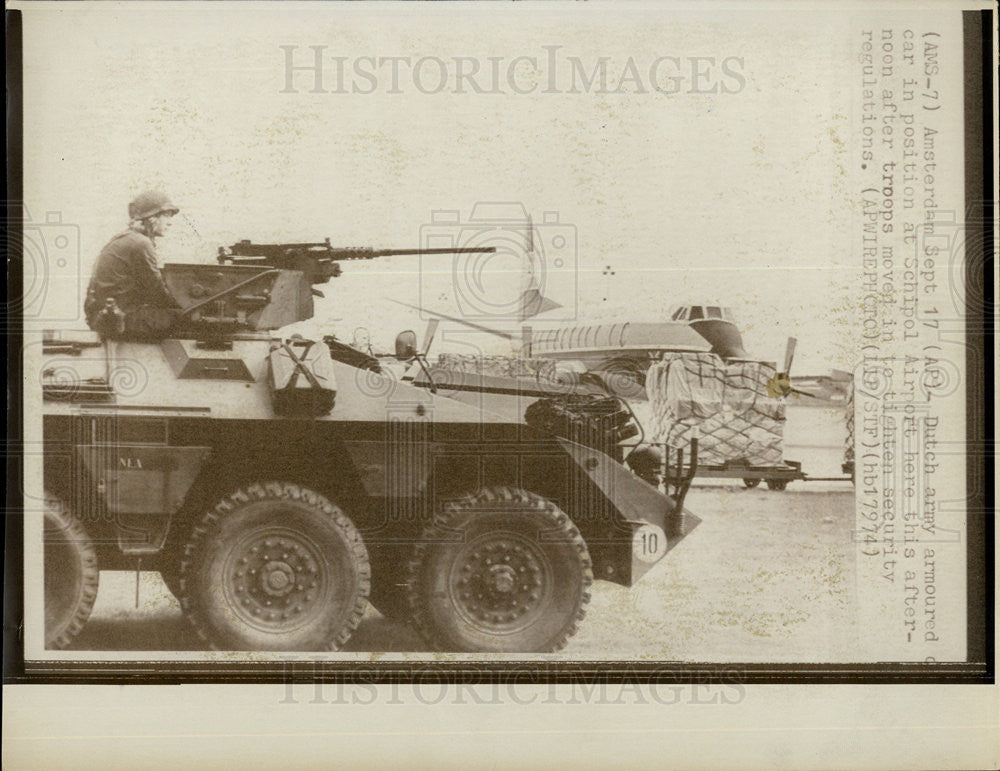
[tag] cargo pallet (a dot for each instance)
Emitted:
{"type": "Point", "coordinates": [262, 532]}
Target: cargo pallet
{"type": "Point", "coordinates": [776, 477]}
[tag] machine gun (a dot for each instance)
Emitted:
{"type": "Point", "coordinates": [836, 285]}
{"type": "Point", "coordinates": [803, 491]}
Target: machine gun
{"type": "Point", "coordinates": [320, 261]}
{"type": "Point", "coordinates": [254, 290]}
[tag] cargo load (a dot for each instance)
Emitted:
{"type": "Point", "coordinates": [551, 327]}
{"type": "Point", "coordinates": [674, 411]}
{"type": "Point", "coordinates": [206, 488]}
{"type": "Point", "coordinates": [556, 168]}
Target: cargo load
{"type": "Point", "coordinates": [498, 366]}
{"type": "Point", "coordinates": [725, 405]}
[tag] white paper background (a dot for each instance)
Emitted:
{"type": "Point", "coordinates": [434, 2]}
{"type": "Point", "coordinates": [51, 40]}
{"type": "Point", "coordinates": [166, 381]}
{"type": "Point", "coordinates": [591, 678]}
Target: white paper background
{"type": "Point", "coordinates": [741, 198]}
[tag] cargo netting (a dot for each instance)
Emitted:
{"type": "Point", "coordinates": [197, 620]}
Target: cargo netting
{"type": "Point", "coordinates": [725, 406]}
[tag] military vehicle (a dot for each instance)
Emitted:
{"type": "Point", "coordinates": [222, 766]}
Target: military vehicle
{"type": "Point", "coordinates": [279, 487]}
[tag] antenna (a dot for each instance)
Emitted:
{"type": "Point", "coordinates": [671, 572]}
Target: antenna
{"type": "Point", "coordinates": [470, 324]}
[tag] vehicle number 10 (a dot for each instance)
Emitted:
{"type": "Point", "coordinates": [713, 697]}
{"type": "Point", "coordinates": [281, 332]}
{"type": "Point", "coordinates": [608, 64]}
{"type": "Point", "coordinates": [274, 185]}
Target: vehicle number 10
{"type": "Point", "coordinates": [649, 543]}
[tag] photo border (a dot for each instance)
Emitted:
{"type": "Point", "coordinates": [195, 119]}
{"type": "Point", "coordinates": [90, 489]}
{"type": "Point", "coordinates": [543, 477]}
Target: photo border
{"type": "Point", "coordinates": [979, 44]}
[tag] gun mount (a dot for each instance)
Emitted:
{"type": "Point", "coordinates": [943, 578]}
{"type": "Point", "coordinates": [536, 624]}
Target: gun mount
{"type": "Point", "coordinates": [225, 299]}
{"type": "Point", "coordinates": [320, 261]}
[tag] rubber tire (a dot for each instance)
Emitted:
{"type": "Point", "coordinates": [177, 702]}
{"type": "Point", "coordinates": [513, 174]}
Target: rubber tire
{"type": "Point", "coordinates": [172, 579]}
{"type": "Point", "coordinates": [778, 485]}
{"type": "Point", "coordinates": [297, 512]}
{"type": "Point", "coordinates": [71, 574]}
{"type": "Point", "coordinates": [388, 594]}
{"type": "Point", "coordinates": [493, 511]}
{"type": "Point", "coordinates": [750, 484]}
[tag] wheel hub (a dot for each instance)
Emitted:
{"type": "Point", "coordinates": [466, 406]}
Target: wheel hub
{"type": "Point", "coordinates": [502, 578]}
{"type": "Point", "coordinates": [275, 580]}
{"type": "Point", "coordinates": [499, 583]}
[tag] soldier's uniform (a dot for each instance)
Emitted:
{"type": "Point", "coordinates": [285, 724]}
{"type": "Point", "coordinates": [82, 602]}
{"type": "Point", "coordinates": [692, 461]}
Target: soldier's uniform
{"type": "Point", "coordinates": [127, 271]}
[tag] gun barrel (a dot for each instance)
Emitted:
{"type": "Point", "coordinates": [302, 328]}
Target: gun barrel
{"type": "Point", "coordinates": [367, 254]}
{"type": "Point", "coordinates": [320, 261]}
{"type": "Point", "coordinates": [245, 251]}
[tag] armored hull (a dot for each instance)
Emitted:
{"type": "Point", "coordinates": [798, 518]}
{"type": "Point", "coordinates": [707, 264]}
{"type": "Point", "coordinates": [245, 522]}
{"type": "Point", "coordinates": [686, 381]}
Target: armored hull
{"type": "Point", "coordinates": [279, 491]}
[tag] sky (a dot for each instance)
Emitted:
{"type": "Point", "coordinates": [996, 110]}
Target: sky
{"type": "Point", "coordinates": [739, 197]}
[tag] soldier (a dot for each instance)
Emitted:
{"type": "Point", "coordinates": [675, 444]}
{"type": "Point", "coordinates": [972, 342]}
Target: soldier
{"type": "Point", "coordinates": [127, 272]}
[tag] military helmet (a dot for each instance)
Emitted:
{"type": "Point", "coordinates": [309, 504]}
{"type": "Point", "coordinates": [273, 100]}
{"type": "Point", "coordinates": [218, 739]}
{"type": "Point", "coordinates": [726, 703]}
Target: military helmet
{"type": "Point", "coordinates": [149, 204]}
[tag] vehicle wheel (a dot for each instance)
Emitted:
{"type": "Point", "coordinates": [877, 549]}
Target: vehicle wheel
{"type": "Point", "coordinates": [502, 570]}
{"type": "Point", "coordinates": [71, 574]}
{"type": "Point", "coordinates": [752, 483]}
{"type": "Point", "coordinates": [388, 595]}
{"type": "Point", "coordinates": [777, 484]}
{"type": "Point", "coordinates": [275, 566]}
